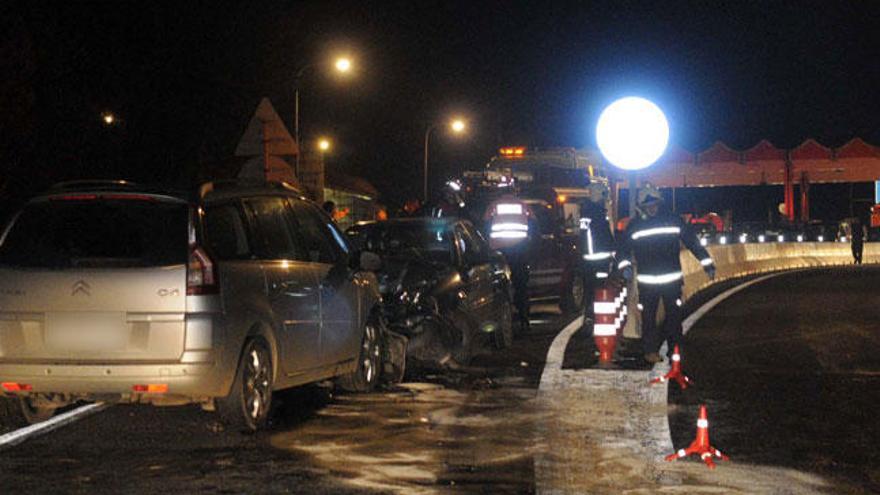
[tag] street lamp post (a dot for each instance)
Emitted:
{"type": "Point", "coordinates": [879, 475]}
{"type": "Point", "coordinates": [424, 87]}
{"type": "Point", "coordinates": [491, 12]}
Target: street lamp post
{"type": "Point", "coordinates": [457, 126]}
{"type": "Point", "coordinates": [342, 65]}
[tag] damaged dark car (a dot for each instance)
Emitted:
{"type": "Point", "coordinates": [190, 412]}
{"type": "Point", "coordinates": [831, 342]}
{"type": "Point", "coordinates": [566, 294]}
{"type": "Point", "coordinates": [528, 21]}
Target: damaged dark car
{"type": "Point", "coordinates": [443, 287]}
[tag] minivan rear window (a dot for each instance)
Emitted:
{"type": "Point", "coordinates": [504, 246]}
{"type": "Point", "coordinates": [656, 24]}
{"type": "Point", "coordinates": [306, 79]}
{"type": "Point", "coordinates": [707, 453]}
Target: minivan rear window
{"type": "Point", "coordinates": [97, 233]}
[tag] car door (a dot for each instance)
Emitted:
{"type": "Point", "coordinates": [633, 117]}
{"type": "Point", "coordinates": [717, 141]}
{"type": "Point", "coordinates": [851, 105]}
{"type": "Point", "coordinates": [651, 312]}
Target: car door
{"type": "Point", "coordinates": [496, 284]}
{"type": "Point", "coordinates": [291, 285]}
{"type": "Point", "coordinates": [327, 251]}
{"type": "Point", "coordinates": [544, 254]}
{"type": "Point", "coordinates": [477, 274]}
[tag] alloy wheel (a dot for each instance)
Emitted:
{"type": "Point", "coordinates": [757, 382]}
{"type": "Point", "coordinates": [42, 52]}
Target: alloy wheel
{"type": "Point", "coordinates": [256, 383]}
{"type": "Point", "coordinates": [370, 353]}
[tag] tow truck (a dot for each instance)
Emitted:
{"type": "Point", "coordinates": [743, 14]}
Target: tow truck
{"type": "Point", "coordinates": [552, 184]}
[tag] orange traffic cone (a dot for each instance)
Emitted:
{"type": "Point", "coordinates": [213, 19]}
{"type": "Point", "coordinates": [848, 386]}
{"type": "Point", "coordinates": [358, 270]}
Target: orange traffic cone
{"type": "Point", "coordinates": [605, 322]}
{"type": "Point", "coordinates": [675, 373]}
{"type": "Point", "coordinates": [700, 445]}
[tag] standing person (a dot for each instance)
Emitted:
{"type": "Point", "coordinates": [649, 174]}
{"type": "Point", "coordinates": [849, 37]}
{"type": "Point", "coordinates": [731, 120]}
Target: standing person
{"type": "Point", "coordinates": [859, 233]}
{"type": "Point", "coordinates": [597, 243]}
{"type": "Point", "coordinates": [510, 225]}
{"type": "Point", "coordinates": [653, 241]}
{"type": "Point", "coordinates": [329, 207]}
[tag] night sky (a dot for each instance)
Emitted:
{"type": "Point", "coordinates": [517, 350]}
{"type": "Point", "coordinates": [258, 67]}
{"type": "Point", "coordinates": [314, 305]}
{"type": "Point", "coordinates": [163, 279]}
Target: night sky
{"type": "Point", "coordinates": [185, 79]}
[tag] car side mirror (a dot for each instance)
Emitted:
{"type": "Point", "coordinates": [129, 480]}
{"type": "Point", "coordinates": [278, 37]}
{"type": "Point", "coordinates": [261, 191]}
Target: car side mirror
{"type": "Point", "coordinates": [369, 261]}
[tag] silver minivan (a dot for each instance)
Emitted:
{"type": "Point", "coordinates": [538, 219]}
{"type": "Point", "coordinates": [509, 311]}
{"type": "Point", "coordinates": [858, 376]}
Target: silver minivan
{"type": "Point", "coordinates": [109, 291]}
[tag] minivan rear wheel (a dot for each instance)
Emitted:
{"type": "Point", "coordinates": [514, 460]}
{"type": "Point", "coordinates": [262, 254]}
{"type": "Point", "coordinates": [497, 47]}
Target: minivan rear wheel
{"type": "Point", "coordinates": [247, 406]}
{"type": "Point", "coordinates": [369, 365]}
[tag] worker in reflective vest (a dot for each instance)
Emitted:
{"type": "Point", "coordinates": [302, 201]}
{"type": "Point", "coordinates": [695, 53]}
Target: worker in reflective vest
{"type": "Point", "coordinates": [508, 223]}
{"type": "Point", "coordinates": [653, 241]}
{"type": "Point", "coordinates": [597, 243]}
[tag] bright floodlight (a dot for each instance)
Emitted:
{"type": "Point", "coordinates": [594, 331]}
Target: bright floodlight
{"type": "Point", "coordinates": [457, 125]}
{"type": "Point", "coordinates": [632, 133]}
{"type": "Point", "coordinates": [323, 144]}
{"type": "Point", "coordinates": [343, 64]}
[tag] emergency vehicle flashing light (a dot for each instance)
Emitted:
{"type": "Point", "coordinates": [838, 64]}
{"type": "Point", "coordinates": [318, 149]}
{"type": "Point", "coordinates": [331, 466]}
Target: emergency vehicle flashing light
{"type": "Point", "coordinates": [512, 151]}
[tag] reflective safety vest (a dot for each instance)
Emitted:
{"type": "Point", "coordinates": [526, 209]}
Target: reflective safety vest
{"type": "Point", "coordinates": [597, 244]}
{"type": "Point", "coordinates": [655, 243]}
{"type": "Point", "coordinates": [508, 223]}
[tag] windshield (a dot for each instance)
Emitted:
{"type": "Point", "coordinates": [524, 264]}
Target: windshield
{"type": "Point", "coordinates": [422, 240]}
{"type": "Point", "coordinates": [97, 234]}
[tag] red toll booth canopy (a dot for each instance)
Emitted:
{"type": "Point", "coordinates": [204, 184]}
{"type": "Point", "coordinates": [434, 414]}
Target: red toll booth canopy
{"type": "Point", "coordinates": [762, 164]}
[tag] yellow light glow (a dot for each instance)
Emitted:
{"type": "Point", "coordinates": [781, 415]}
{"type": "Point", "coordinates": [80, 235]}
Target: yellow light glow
{"type": "Point", "coordinates": [323, 144]}
{"type": "Point", "coordinates": [457, 126]}
{"type": "Point", "coordinates": [108, 118]}
{"type": "Point", "coordinates": [343, 64]}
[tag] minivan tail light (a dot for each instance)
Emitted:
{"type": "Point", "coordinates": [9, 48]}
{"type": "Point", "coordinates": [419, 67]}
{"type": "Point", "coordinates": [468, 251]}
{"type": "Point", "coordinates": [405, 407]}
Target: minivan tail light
{"type": "Point", "coordinates": [150, 388]}
{"type": "Point", "coordinates": [200, 275]}
{"type": "Point", "coordinates": [16, 387]}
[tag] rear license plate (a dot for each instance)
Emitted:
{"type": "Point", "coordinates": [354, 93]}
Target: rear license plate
{"type": "Point", "coordinates": [86, 331]}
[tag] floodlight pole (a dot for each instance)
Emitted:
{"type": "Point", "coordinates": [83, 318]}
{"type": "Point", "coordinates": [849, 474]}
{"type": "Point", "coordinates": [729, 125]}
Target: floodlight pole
{"type": "Point", "coordinates": [633, 193]}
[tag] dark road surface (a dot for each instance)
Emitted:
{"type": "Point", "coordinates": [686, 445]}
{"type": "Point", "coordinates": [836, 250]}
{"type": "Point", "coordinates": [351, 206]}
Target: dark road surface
{"type": "Point", "coordinates": [794, 387]}
{"type": "Point", "coordinates": [790, 372]}
{"type": "Point", "coordinates": [459, 431]}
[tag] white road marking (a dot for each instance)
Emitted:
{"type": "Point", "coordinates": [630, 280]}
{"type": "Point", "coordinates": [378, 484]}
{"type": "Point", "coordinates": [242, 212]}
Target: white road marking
{"type": "Point", "coordinates": [18, 436]}
{"type": "Point", "coordinates": [556, 353]}
{"type": "Point", "coordinates": [618, 408]}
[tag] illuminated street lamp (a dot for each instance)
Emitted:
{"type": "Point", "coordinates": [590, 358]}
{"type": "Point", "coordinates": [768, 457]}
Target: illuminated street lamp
{"type": "Point", "coordinates": [457, 126]}
{"type": "Point", "coordinates": [342, 65]}
{"type": "Point", "coordinates": [108, 118]}
{"type": "Point", "coordinates": [323, 145]}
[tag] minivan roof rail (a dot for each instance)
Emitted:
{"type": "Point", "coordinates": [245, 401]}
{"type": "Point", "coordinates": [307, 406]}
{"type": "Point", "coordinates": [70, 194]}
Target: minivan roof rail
{"type": "Point", "coordinates": [228, 184]}
{"type": "Point", "coordinates": [93, 184]}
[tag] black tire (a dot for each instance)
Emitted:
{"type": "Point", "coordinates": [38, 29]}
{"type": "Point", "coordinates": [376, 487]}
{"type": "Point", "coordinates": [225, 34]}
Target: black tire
{"type": "Point", "coordinates": [572, 297]}
{"type": "Point", "coordinates": [247, 406]}
{"type": "Point", "coordinates": [18, 412]}
{"type": "Point", "coordinates": [503, 335]}
{"type": "Point", "coordinates": [460, 340]}
{"type": "Point", "coordinates": [369, 364]}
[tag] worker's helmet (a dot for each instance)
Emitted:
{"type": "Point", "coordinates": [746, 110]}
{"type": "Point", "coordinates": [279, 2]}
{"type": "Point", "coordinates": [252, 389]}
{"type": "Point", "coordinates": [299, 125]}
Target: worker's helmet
{"type": "Point", "coordinates": [649, 195]}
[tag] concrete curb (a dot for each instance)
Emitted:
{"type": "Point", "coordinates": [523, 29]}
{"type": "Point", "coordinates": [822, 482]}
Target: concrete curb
{"type": "Point", "coordinates": [607, 431]}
